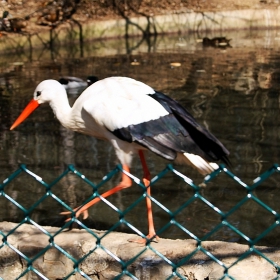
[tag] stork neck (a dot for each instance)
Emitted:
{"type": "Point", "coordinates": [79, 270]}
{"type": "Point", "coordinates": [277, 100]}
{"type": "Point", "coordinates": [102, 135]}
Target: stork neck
{"type": "Point", "coordinates": [61, 109]}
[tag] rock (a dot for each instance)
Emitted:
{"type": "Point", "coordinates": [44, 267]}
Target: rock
{"type": "Point", "coordinates": [105, 256]}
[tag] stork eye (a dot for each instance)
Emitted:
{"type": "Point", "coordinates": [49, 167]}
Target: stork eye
{"type": "Point", "coordinates": [38, 93]}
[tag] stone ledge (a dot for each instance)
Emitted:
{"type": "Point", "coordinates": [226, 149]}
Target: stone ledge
{"type": "Point", "coordinates": [191, 22]}
{"type": "Point", "coordinates": [100, 265]}
{"type": "Point", "coordinates": [177, 23]}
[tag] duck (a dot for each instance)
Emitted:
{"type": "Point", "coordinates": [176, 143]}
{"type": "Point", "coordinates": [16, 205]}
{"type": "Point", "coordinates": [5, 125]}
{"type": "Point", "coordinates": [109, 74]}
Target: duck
{"type": "Point", "coordinates": [17, 24]}
{"type": "Point", "coordinates": [4, 22]}
{"type": "Point", "coordinates": [49, 17]}
{"type": "Point", "coordinates": [11, 24]}
{"type": "Point", "coordinates": [55, 13]}
{"type": "Point", "coordinates": [218, 42]}
{"type": "Point", "coordinates": [74, 84]}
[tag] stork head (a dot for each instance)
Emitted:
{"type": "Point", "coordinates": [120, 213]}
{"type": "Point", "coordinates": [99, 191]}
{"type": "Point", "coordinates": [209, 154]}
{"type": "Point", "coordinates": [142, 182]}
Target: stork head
{"type": "Point", "coordinates": [45, 92]}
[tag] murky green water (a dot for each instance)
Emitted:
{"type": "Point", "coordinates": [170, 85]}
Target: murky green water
{"type": "Point", "coordinates": [233, 91]}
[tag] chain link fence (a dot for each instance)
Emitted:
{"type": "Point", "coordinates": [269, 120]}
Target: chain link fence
{"type": "Point", "coordinates": [30, 263]}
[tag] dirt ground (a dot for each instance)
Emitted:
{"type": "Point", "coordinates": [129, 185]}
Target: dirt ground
{"type": "Point", "coordinates": [46, 13]}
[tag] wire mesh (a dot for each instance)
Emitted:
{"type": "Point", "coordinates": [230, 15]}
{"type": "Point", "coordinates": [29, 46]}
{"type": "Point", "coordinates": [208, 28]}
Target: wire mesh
{"type": "Point", "coordinates": [31, 262]}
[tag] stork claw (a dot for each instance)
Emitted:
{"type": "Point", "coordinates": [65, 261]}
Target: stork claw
{"type": "Point", "coordinates": [78, 211]}
{"type": "Point", "coordinates": [143, 241]}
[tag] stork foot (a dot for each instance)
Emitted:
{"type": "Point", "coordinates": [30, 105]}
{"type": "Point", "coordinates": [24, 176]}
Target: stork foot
{"type": "Point", "coordinates": [78, 211]}
{"type": "Point", "coordinates": [143, 241]}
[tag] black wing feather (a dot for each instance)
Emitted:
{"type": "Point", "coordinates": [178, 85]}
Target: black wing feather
{"type": "Point", "coordinates": [205, 140]}
{"type": "Point", "coordinates": [176, 132]}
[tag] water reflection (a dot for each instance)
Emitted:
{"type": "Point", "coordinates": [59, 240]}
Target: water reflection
{"type": "Point", "coordinates": [234, 92]}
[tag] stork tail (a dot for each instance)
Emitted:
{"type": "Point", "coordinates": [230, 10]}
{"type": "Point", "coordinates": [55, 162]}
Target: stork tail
{"type": "Point", "coordinates": [204, 167]}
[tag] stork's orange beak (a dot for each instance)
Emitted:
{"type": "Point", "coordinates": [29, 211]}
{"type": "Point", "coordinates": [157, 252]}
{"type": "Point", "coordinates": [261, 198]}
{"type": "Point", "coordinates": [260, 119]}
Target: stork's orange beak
{"type": "Point", "coordinates": [31, 106]}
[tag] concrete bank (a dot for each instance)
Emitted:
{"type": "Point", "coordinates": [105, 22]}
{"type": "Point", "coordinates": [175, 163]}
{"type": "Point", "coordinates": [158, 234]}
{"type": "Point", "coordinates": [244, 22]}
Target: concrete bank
{"type": "Point", "coordinates": [177, 23]}
{"type": "Point", "coordinates": [190, 22]}
{"type": "Point", "coordinates": [102, 265]}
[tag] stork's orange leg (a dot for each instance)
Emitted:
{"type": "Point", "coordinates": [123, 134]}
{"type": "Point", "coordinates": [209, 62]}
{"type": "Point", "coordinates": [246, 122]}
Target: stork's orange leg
{"type": "Point", "coordinates": [126, 182]}
{"type": "Point", "coordinates": [147, 180]}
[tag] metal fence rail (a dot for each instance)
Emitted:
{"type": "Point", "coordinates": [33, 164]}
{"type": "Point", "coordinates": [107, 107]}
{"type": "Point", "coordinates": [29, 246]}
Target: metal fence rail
{"type": "Point", "coordinates": [197, 195]}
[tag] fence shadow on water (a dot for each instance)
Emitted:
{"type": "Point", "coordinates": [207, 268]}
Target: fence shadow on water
{"type": "Point", "coordinates": [249, 196]}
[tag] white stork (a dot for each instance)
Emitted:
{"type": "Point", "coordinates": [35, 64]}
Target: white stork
{"type": "Point", "coordinates": [134, 118]}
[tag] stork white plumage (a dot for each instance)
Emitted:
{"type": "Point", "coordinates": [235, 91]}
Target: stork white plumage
{"type": "Point", "coordinates": [134, 118]}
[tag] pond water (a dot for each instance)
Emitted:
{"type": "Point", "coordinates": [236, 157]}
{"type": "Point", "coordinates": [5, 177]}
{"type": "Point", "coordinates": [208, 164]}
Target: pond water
{"type": "Point", "coordinates": [232, 90]}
